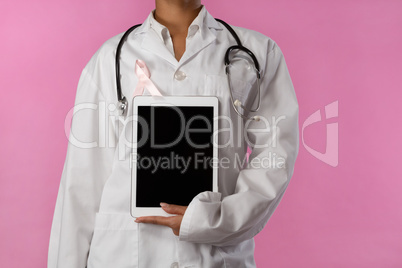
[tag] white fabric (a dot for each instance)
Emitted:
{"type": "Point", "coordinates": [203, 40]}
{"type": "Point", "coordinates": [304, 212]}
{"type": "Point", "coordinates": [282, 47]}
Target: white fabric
{"type": "Point", "coordinates": [92, 225]}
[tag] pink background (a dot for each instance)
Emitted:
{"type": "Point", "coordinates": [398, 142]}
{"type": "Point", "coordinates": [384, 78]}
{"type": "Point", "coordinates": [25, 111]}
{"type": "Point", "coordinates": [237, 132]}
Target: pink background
{"type": "Point", "coordinates": [348, 51]}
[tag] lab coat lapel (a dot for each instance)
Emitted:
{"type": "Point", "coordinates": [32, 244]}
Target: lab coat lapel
{"type": "Point", "coordinates": [154, 44]}
{"type": "Point", "coordinates": [200, 40]}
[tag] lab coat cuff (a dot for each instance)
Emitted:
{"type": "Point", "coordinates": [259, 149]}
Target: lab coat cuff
{"type": "Point", "coordinates": [185, 227]}
{"type": "Point", "coordinates": [185, 222]}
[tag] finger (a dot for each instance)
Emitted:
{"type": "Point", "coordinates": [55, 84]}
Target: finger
{"type": "Point", "coordinates": [159, 220]}
{"type": "Point", "coordinates": [173, 209]}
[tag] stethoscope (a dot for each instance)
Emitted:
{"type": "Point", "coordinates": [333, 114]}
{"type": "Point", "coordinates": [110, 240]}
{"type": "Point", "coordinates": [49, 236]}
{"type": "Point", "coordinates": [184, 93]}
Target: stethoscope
{"type": "Point", "coordinates": [122, 101]}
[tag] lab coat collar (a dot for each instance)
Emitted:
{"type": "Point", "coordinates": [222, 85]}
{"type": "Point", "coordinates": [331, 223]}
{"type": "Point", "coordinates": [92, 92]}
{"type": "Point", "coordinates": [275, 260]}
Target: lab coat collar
{"type": "Point", "coordinates": [204, 15]}
{"type": "Point", "coordinates": [153, 42]}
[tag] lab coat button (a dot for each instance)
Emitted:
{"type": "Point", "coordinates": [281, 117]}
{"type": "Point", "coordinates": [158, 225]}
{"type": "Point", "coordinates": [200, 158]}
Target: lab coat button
{"type": "Point", "coordinates": [180, 76]}
{"type": "Point", "coordinates": [174, 265]}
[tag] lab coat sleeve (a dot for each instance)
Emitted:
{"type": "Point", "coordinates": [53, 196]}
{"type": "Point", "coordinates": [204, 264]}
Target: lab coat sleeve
{"type": "Point", "coordinates": [259, 188]}
{"type": "Point", "coordinates": [86, 168]}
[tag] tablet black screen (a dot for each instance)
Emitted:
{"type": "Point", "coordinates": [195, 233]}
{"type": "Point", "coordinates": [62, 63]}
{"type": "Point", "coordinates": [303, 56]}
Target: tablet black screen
{"type": "Point", "coordinates": [174, 154]}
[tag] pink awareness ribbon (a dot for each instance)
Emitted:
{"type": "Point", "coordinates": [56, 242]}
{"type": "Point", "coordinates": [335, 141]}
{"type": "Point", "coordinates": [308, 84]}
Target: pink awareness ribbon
{"type": "Point", "coordinates": [143, 74]}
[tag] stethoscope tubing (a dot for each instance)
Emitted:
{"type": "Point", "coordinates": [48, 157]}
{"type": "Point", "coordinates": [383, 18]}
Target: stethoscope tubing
{"type": "Point", "coordinates": [122, 101]}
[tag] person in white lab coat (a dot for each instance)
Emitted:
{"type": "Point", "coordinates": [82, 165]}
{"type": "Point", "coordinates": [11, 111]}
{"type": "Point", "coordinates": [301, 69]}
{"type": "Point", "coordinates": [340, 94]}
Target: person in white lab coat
{"type": "Point", "coordinates": [183, 47]}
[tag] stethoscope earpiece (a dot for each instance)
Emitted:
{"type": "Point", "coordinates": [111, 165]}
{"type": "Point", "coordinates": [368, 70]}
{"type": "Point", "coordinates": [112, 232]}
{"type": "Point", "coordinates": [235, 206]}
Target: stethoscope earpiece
{"type": "Point", "coordinates": [237, 103]}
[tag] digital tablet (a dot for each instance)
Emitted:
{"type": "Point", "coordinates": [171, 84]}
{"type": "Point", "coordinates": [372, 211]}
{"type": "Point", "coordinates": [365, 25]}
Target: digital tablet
{"type": "Point", "coordinates": [174, 154]}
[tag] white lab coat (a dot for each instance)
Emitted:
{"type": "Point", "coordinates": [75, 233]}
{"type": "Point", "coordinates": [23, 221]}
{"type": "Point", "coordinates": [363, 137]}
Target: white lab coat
{"type": "Point", "coordinates": [92, 225]}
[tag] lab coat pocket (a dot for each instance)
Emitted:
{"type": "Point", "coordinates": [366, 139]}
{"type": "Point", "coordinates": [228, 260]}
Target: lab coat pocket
{"type": "Point", "coordinates": [218, 85]}
{"type": "Point", "coordinates": [114, 242]}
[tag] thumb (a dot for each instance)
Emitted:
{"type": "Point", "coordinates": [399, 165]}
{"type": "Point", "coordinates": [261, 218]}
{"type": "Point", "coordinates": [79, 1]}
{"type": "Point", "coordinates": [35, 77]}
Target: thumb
{"type": "Point", "coordinates": [173, 209]}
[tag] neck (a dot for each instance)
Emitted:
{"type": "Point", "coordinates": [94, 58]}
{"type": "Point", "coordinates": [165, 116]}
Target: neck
{"type": "Point", "coordinates": [177, 15]}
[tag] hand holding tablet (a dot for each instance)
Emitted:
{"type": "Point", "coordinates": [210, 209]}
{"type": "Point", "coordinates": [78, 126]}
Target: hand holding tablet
{"type": "Point", "coordinates": [174, 222]}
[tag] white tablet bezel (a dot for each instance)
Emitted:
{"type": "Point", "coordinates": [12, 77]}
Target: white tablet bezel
{"type": "Point", "coordinates": [142, 100]}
